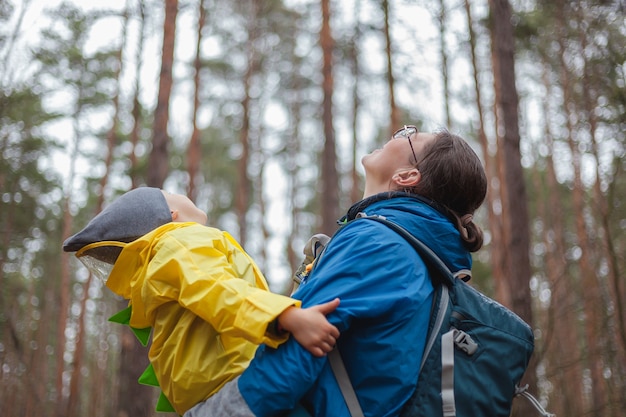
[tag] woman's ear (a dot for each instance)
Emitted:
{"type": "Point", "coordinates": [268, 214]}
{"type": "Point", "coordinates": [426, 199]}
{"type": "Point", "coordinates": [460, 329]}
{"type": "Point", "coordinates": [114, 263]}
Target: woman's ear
{"type": "Point", "coordinates": [174, 215]}
{"type": "Point", "coordinates": [407, 178]}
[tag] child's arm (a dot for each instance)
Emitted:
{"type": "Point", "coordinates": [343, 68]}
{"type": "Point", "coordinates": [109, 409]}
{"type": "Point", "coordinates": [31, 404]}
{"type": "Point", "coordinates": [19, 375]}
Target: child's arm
{"type": "Point", "coordinates": [310, 327]}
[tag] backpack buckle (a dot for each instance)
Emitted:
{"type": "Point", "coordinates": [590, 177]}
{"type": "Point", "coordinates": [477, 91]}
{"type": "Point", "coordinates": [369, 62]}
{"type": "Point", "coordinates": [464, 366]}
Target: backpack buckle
{"type": "Point", "coordinates": [465, 342]}
{"type": "Point", "coordinates": [312, 250]}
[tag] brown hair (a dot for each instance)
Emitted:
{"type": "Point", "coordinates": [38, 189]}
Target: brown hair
{"type": "Point", "coordinates": [453, 176]}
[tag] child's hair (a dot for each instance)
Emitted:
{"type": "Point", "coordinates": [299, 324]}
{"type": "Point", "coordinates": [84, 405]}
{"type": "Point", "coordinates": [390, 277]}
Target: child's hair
{"type": "Point", "coordinates": [453, 176]}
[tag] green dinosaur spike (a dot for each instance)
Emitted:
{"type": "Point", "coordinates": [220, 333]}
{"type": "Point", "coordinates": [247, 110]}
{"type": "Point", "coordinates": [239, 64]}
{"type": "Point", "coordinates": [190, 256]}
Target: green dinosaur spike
{"type": "Point", "coordinates": [142, 334]}
{"type": "Point", "coordinates": [149, 377]}
{"type": "Point", "coordinates": [164, 404]}
{"type": "Point", "coordinates": [122, 317]}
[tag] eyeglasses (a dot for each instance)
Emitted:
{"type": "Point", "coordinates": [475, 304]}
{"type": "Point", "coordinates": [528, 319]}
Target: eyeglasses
{"type": "Point", "coordinates": [406, 132]}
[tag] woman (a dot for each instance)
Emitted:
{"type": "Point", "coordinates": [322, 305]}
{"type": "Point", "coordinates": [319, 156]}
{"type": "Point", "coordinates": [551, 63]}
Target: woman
{"type": "Point", "coordinates": [431, 184]}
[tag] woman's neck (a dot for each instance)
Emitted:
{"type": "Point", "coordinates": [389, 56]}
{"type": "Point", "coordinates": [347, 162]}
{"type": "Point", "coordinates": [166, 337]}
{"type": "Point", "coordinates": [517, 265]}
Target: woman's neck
{"type": "Point", "coordinates": [373, 189]}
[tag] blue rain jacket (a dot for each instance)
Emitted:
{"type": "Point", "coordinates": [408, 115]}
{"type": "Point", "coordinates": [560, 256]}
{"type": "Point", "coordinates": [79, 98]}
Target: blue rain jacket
{"type": "Point", "coordinates": [386, 296]}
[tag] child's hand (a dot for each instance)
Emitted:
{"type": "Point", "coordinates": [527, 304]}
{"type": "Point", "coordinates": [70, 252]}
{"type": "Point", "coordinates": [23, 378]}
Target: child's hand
{"type": "Point", "coordinates": [310, 327]}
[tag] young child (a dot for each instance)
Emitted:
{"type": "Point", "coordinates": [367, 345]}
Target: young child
{"type": "Point", "coordinates": [205, 299]}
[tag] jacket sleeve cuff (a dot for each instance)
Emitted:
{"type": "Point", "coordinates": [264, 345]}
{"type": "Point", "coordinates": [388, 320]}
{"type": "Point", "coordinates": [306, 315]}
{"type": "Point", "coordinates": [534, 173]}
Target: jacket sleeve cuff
{"type": "Point", "coordinates": [257, 318]}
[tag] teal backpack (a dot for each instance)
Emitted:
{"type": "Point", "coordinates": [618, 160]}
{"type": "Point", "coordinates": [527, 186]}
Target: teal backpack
{"type": "Point", "coordinates": [475, 356]}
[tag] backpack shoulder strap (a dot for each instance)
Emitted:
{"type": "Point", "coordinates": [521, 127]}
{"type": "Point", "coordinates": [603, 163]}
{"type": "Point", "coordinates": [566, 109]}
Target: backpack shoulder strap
{"type": "Point", "coordinates": [341, 375]}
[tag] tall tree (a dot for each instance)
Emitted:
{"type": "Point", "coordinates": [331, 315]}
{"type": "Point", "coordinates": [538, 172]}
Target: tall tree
{"type": "Point", "coordinates": [443, 51]}
{"type": "Point", "coordinates": [66, 67]}
{"type": "Point", "coordinates": [614, 349]}
{"type": "Point", "coordinates": [26, 219]}
{"type": "Point", "coordinates": [500, 256]}
{"type": "Point", "coordinates": [591, 295]}
{"type": "Point", "coordinates": [560, 324]}
{"type": "Point", "coordinates": [355, 48]}
{"type": "Point", "coordinates": [295, 103]}
{"type": "Point", "coordinates": [244, 186]}
{"type": "Point", "coordinates": [492, 198]}
{"type": "Point", "coordinates": [394, 117]}
{"type": "Point", "coordinates": [194, 149]}
{"type": "Point", "coordinates": [134, 399]}
{"type": "Point", "coordinates": [137, 108]}
{"type": "Point", "coordinates": [111, 143]}
{"type": "Point", "coordinates": [516, 222]}
{"type": "Point", "coordinates": [330, 177]}
{"type": "Point", "coordinates": [158, 163]}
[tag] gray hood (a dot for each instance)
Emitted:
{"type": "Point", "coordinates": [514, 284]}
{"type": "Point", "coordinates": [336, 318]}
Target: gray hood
{"type": "Point", "coordinates": [129, 217]}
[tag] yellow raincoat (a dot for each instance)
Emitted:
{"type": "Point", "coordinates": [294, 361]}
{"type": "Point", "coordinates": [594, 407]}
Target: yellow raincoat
{"type": "Point", "coordinates": [208, 305]}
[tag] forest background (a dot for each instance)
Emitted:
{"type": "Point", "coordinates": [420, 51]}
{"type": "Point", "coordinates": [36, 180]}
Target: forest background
{"type": "Point", "coordinates": [260, 112]}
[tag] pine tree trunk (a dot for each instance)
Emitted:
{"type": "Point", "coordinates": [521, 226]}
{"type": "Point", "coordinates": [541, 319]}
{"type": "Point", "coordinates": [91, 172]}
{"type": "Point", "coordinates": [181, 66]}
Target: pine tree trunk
{"type": "Point", "coordinates": [136, 110]}
{"type": "Point", "coordinates": [356, 191]}
{"type": "Point", "coordinates": [244, 186]}
{"type": "Point", "coordinates": [612, 285]}
{"type": "Point", "coordinates": [590, 285]}
{"type": "Point", "coordinates": [565, 366]}
{"type": "Point", "coordinates": [516, 225]}
{"type": "Point", "coordinates": [64, 289]}
{"type": "Point", "coordinates": [294, 149]}
{"type": "Point", "coordinates": [135, 399]}
{"type": "Point", "coordinates": [441, 18]}
{"type": "Point", "coordinates": [76, 376]}
{"type": "Point", "coordinates": [7, 396]}
{"type": "Point", "coordinates": [64, 303]}
{"type": "Point", "coordinates": [394, 119]}
{"type": "Point", "coordinates": [194, 151]}
{"type": "Point", "coordinates": [330, 178]}
{"type": "Point", "coordinates": [158, 163]}
{"type": "Point", "coordinates": [500, 255]}
{"type": "Point", "coordinates": [494, 220]}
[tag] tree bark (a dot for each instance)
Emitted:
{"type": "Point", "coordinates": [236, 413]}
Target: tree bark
{"type": "Point", "coordinates": [356, 191]}
{"type": "Point", "coordinates": [194, 151]}
{"type": "Point", "coordinates": [494, 220]}
{"type": "Point", "coordinates": [330, 177]}
{"type": "Point", "coordinates": [135, 399]}
{"type": "Point", "coordinates": [136, 110]}
{"type": "Point", "coordinates": [65, 291]}
{"type": "Point", "coordinates": [244, 186]}
{"type": "Point", "coordinates": [615, 351]}
{"type": "Point", "coordinates": [394, 119]}
{"type": "Point", "coordinates": [441, 18]}
{"type": "Point", "coordinates": [516, 222]}
{"type": "Point", "coordinates": [158, 163]}
{"type": "Point", "coordinates": [293, 152]}
{"type": "Point", "coordinates": [500, 256]}
{"type": "Point", "coordinates": [590, 294]}
{"type": "Point", "coordinates": [559, 328]}
{"type": "Point", "coordinates": [111, 141]}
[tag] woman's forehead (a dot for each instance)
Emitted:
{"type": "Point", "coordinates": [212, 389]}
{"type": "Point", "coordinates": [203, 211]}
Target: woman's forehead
{"type": "Point", "coordinates": [421, 139]}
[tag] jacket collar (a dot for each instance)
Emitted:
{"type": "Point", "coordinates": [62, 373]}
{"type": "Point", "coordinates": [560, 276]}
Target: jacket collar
{"type": "Point", "coordinates": [388, 195]}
